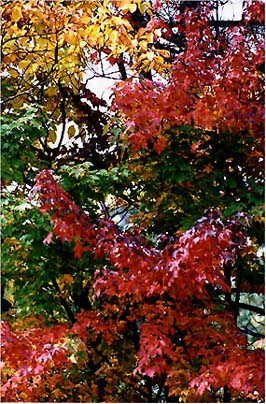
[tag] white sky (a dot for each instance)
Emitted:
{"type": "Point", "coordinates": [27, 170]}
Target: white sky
{"type": "Point", "coordinates": [232, 10]}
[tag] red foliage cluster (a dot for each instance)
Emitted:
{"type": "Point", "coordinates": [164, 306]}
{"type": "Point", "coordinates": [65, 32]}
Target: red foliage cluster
{"type": "Point", "coordinates": [182, 336]}
{"type": "Point", "coordinates": [31, 355]}
{"type": "Point", "coordinates": [214, 84]}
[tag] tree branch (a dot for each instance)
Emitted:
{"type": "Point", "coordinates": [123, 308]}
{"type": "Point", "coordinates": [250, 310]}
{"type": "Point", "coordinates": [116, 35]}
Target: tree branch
{"type": "Point", "coordinates": [104, 209]}
{"type": "Point", "coordinates": [122, 70]}
{"type": "Point", "coordinates": [237, 297]}
{"type": "Point", "coordinates": [252, 333]}
{"type": "Point", "coordinates": [250, 307]}
{"type": "Point", "coordinates": [12, 97]}
{"type": "Point", "coordinates": [94, 346]}
{"type": "Point", "coordinates": [161, 385]}
{"type": "Point", "coordinates": [70, 315]}
{"type": "Point", "coordinates": [63, 113]}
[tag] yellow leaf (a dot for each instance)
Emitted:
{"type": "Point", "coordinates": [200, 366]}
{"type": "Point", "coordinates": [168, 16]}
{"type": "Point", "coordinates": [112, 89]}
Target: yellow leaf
{"type": "Point", "coordinates": [23, 64]}
{"type": "Point", "coordinates": [71, 131]}
{"type": "Point", "coordinates": [150, 55]}
{"type": "Point", "coordinates": [128, 5]}
{"type": "Point", "coordinates": [142, 6]}
{"type": "Point", "coordinates": [29, 72]}
{"type": "Point", "coordinates": [52, 136]}
{"type": "Point", "coordinates": [54, 166]}
{"type": "Point", "coordinates": [93, 33]}
{"type": "Point", "coordinates": [208, 168]}
{"type": "Point", "coordinates": [43, 43]}
{"type": "Point", "coordinates": [9, 291]}
{"type": "Point", "coordinates": [71, 38]}
{"type": "Point", "coordinates": [16, 13]}
{"type": "Point", "coordinates": [68, 279]}
{"type": "Point", "coordinates": [149, 37]}
{"type": "Point", "coordinates": [132, 7]}
{"type": "Point", "coordinates": [51, 91]}
{"type": "Point", "coordinates": [85, 19]}
{"type": "Point", "coordinates": [113, 37]}
{"type": "Point", "coordinates": [13, 73]}
{"type": "Point", "coordinates": [143, 45]}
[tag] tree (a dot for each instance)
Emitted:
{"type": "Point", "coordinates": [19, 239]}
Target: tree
{"type": "Point", "coordinates": [132, 232]}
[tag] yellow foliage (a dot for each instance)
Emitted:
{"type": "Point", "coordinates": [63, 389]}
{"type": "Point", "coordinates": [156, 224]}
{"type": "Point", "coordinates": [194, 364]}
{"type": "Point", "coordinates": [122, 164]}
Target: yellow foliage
{"type": "Point", "coordinates": [16, 12]}
{"type": "Point", "coordinates": [23, 64]}
{"type": "Point", "coordinates": [9, 291]}
{"type": "Point", "coordinates": [70, 38]}
{"type": "Point", "coordinates": [52, 136]}
{"type": "Point", "coordinates": [47, 44]}
{"type": "Point", "coordinates": [51, 91]}
{"type": "Point", "coordinates": [68, 279]}
{"type": "Point", "coordinates": [13, 73]}
{"type": "Point", "coordinates": [71, 131]}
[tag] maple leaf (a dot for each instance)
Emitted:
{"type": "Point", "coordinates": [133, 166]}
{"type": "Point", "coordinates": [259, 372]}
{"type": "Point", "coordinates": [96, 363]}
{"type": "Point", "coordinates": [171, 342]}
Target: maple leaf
{"type": "Point", "coordinates": [208, 168]}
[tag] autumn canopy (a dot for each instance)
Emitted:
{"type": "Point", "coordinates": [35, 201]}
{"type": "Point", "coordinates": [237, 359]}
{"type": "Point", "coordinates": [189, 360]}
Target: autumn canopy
{"type": "Point", "coordinates": [132, 213]}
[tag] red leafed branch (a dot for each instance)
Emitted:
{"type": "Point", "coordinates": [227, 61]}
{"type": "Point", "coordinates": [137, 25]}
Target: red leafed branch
{"type": "Point", "coordinates": [31, 355]}
{"type": "Point", "coordinates": [160, 298]}
{"type": "Point", "coordinates": [215, 84]}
